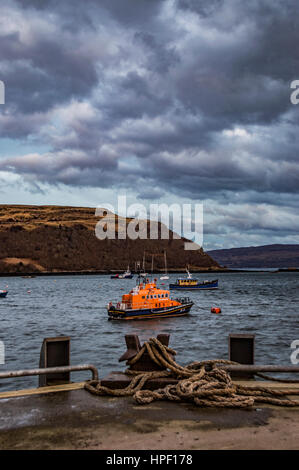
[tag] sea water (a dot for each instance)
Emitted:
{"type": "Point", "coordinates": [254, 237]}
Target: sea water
{"type": "Point", "coordinates": [260, 303]}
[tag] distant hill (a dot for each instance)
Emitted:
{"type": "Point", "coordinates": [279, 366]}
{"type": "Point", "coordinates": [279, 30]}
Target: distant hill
{"type": "Point", "coordinates": [45, 239]}
{"type": "Point", "coordinates": [267, 256]}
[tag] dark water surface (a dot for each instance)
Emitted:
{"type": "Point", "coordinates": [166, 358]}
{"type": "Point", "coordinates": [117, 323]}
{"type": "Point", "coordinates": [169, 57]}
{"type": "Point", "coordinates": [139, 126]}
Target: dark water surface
{"type": "Point", "coordinates": [264, 304]}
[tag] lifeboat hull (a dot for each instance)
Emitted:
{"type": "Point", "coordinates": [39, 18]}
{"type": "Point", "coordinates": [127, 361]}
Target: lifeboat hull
{"type": "Point", "coordinates": [144, 314]}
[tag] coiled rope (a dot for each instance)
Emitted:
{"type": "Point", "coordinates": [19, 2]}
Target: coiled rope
{"type": "Point", "coordinates": [204, 383]}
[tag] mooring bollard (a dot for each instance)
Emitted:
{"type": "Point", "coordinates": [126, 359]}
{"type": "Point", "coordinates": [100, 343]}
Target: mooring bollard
{"type": "Point", "coordinates": [133, 347]}
{"type": "Point", "coordinates": [118, 380]}
{"type": "Point", "coordinates": [145, 363]}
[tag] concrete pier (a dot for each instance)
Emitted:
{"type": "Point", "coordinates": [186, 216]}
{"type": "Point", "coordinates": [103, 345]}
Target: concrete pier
{"type": "Point", "coordinates": [68, 417]}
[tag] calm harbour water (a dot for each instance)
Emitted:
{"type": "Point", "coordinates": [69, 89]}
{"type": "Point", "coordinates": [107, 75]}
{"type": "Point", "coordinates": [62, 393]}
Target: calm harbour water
{"type": "Point", "coordinates": [260, 303]}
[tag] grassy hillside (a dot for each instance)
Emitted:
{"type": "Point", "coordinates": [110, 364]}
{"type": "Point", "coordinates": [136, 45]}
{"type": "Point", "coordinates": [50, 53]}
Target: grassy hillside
{"type": "Point", "coordinates": [62, 239]}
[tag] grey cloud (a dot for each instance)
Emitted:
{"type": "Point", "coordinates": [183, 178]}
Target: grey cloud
{"type": "Point", "coordinates": [151, 193]}
{"type": "Point", "coordinates": [201, 7]}
{"type": "Point", "coordinates": [197, 104]}
{"type": "Point", "coordinates": [45, 74]}
{"type": "Point", "coordinates": [127, 12]}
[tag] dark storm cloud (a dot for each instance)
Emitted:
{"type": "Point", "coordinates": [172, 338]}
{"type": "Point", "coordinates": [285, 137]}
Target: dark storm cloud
{"type": "Point", "coordinates": [133, 97]}
{"type": "Point", "coordinates": [43, 73]}
{"type": "Point", "coordinates": [202, 7]}
{"type": "Point", "coordinates": [161, 58]}
{"type": "Point", "coordinates": [126, 12]}
{"type": "Point", "coordinates": [189, 96]}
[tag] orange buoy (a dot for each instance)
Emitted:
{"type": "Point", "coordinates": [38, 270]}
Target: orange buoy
{"type": "Point", "coordinates": [216, 310]}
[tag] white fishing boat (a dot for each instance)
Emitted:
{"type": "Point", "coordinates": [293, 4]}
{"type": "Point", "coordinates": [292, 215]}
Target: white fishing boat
{"type": "Point", "coordinates": [126, 275]}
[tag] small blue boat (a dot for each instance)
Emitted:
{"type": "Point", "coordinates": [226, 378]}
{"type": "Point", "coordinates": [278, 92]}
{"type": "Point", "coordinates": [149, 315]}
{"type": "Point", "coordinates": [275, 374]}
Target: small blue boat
{"type": "Point", "coordinates": [3, 293]}
{"type": "Point", "coordinates": [194, 284]}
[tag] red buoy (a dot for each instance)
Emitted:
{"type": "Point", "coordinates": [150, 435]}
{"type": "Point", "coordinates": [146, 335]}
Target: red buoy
{"type": "Point", "coordinates": [216, 310]}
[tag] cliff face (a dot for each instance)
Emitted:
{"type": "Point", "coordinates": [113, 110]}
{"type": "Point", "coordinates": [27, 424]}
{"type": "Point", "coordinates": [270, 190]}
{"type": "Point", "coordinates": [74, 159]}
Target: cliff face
{"type": "Point", "coordinates": [62, 239]}
{"type": "Point", "coordinates": [268, 256]}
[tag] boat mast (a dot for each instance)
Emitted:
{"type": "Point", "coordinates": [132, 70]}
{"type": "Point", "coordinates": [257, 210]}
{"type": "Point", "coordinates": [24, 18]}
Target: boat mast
{"type": "Point", "coordinates": [152, 267]}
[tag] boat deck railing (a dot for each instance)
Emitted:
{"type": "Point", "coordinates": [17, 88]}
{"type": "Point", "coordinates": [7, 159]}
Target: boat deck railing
{"type": "Point", "coordinates": [183, 300]}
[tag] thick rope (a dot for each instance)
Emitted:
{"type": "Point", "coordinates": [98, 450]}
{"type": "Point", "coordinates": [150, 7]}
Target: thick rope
{"type": "Point", "coordinates": [203, 383]}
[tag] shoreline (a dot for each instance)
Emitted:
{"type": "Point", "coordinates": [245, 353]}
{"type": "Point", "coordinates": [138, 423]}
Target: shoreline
{"type": "Point", "coordinates": [174, 271]}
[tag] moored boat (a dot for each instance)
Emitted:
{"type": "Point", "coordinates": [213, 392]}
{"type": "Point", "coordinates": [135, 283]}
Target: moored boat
{"type": "Point", "coordinates": [193, 284]}
{"type": "Point", "coordinates": [126, 275]}
{"type": "Point", "coordinates": [146, 301]}
{"type": "Point", "coordinates": [3, 293]}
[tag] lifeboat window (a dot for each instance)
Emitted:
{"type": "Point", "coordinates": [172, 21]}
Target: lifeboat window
{"type": "Point", "coordinates": [143, 296]}
{"type": "Point", "coordinates": [147, 296]}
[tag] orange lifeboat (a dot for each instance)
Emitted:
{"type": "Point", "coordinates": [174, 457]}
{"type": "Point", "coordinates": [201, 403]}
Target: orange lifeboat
{"type": "Point", "coordinates": [146, 300]}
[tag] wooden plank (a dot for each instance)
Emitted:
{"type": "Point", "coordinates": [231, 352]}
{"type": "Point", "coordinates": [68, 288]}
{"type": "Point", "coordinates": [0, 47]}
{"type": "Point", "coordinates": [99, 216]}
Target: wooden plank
{"type": "Point", "coordinates": [267, 384]}
{"type": "Point", "coordinates": [42, 390]}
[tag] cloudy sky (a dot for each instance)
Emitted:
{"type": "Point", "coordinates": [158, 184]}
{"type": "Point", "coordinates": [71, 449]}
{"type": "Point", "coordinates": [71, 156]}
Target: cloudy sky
{"type": "Point", "coordinates": [166, 101]}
